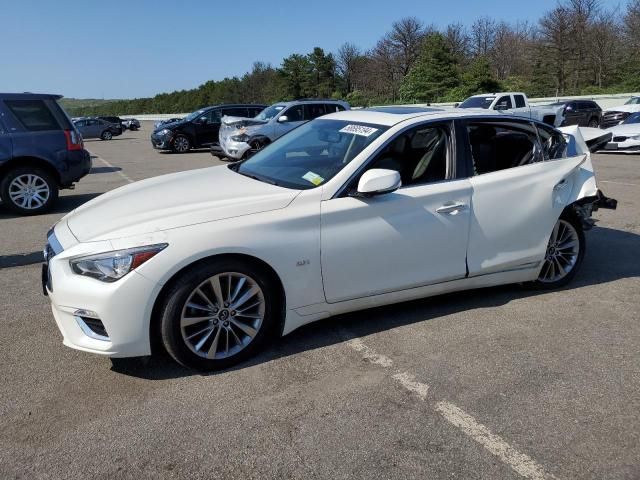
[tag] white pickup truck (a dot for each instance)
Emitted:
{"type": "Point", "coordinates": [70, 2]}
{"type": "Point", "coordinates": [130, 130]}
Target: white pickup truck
{"type": "Point", "coordinates": [515, 103]}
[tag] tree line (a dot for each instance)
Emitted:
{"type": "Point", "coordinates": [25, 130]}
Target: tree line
{"type": "Point", "coordinates": [578, 47]}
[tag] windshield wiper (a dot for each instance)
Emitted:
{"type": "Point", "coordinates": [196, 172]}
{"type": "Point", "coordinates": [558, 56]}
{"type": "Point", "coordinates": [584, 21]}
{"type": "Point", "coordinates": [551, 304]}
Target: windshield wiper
{"type": "Point", "coordinates": [257, 177]}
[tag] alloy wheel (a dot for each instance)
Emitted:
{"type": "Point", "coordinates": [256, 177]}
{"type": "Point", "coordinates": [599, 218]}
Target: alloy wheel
{"type": "Point", "coordinates": [222, 315]}
{"type": "Point", "coordinates": [29, 191]}
{"type": "Point", "coordinates": [181, 144]}
{"type": "Point", "coordinates": [562, 252]}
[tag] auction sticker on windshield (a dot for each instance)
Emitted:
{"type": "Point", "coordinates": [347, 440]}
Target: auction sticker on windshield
{"type": "Point", "coordinates": [361, 130]}
{"type": "Point", "coordinates": [313, 178]}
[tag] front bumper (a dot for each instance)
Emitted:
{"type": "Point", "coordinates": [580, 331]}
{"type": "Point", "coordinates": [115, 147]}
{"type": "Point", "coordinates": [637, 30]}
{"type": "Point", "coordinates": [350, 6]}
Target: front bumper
{"type": "Point", "coordinates": [233, 149]}
{"type": "Point", "coordinates": [161, 142]}
{"type": "Point", "coordinates": [109, 319]}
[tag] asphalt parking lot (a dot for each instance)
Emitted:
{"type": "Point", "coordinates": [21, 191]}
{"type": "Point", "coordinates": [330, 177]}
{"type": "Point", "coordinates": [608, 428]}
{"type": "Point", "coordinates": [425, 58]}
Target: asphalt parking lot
{"type": "Point", "coordinates": [497, 383]}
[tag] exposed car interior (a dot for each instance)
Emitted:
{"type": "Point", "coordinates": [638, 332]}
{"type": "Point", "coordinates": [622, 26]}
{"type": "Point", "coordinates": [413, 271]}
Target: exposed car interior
{"type": "Point", "coordinates": [498, 147]}
{"type": "Point", "coordinates": [420, 155]}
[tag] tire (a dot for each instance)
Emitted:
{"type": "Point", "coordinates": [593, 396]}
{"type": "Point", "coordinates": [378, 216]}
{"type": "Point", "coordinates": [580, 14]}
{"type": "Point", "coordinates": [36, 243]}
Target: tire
{"type": "Point", "coordinates": [28, 190]}
{"type": "Point", "coordinates": [593, 123]}
{"type": "Point", "coordinates": [208, 342]}
{"type": "Point", "coordinates": [181, 144]}
{"type": "Point", "coordinates": [255, 147]}
{"type": "Point", "coordinates": [106, 135]}
{"type": "Point", "coordinates": [566, 248]}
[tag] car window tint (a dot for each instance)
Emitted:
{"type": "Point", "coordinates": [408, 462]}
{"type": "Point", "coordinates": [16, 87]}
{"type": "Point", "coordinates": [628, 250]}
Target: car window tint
{"type": "Point", "coordinates": [294, 114]}
{"type": "Point", "coordinates": [504, 103]}
{"type": "Point", "coordinates": [213, 116]}
{"type": "Point", "coordinates": [498, 146]}
{"type": "Point", "coordinates": [235, 112]}
{"type": "Point", "coordinates": [419, 155]}
{"type": "Point", "coordinates": [553, 143]}
{"type": "Point", "coordinates": [33, 114]}
{"type": "Point", "coordinates": [520, 103]}
{"type": "Point", "coordinates": [313, 110]}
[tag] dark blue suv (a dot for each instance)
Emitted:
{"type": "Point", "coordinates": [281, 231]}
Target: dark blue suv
{"type": "Point", "coordinates": [41, 152]}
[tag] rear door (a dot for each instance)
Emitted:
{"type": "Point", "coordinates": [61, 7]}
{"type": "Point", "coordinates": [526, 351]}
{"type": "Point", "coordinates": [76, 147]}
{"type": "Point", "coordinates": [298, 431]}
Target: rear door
{"type": "Point", "coordinates": [517, 194]}
{"type": "Point", "coordinates": [6, 147]}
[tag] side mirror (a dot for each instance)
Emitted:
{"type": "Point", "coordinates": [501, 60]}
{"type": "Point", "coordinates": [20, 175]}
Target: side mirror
{"type": "Point", "coordinates": [568, 108]}
{"type": "Point", "coordinates": [202, 120]}
{"type": "Point", "coordinates": [283, 118]}
{"type": "Point", "coordinates": [378, 181]}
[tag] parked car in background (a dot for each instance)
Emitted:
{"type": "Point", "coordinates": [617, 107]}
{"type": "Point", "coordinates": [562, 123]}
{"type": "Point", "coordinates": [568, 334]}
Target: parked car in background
{"type": "Point", "coordinates": [585, 113]}
{"type": "Point", "coordinates": [168, 120]}
{"type": "Point", "coordinates": [626, 136]}
{"type": "Point", "coordinates": [616, 115]}
{"type": "Point", "coordinates": [115, 121]}
{"type": "Point", "coordinates": [198, 129]}
{"type": "Point", "coordinates": [98, 128]}
{"type": "Point", "coordinates": [41, 152]}
{"type": "Point", "coordinates": [353, 210]}
{"type": "Point", "coordinates": [132, 124]}
{"type": "Point", "coordinates": [516, 103]}
{"type": "Point", "coordinates": [242, 137]}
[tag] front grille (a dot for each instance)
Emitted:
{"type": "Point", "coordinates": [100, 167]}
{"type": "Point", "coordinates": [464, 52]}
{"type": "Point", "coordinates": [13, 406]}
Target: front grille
{"type": "Point", "coordinates": [619, 139]}
{"type": "Point", "coordinates": [610, 119]}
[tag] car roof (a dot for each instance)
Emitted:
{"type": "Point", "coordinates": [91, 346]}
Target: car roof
{"type": "Point", "coordinates": [30, 96]}
{"type": "Point", "coordinates": [389, 116]}
{"type": "Point", "coordinates": [311, 100]}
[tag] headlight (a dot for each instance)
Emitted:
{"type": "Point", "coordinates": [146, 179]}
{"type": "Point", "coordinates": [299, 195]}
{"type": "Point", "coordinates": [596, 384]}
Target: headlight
{"type": "Point", "coordinates": [240, 138]}
{"type": "Point", "coordinates": [164, 131]}
{"type": "Point", "coordinates": [634, 137]}
{"type": "Point", "coordinates": [112, 266]}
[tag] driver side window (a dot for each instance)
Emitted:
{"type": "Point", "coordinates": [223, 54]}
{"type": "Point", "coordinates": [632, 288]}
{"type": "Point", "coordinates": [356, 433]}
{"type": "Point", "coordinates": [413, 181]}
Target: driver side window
{"type": "Point", "coordinates": [294, 114]}
{"type": "Point", "coordinates": [504, 103]}
{"type": "Point", "coordinates": [213, 116]}
{"type": "Point", "coordinates": [420, 154]}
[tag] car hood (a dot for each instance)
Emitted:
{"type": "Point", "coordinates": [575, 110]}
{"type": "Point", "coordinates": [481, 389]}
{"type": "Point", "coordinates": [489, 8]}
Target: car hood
{"type": "Point", "coordinates": [169, 125]}
{"type": "Point", "coordinates": [629, 129]}
{"type": "Point", "coordinates": [624, 108]}
{"type": "Point", "coordinates": [175, 200]}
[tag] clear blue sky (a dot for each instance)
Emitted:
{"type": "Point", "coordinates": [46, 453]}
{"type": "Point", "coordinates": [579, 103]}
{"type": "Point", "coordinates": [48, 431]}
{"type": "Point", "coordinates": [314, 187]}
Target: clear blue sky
{"type": "Point", "coordinates": [134, 48]}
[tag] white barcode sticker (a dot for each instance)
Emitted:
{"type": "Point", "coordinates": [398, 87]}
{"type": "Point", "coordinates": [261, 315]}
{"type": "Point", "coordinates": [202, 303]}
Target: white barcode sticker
{"type": "Point", "coordinates": [361, 130]}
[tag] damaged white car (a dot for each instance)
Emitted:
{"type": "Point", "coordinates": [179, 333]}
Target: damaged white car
{"type": "Point", "coordinates": [349, 211]}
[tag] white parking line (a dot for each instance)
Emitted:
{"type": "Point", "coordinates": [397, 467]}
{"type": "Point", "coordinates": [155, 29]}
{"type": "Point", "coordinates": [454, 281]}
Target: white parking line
{"type": "Point", "coordinates": [619, 183]}
{"type": "Point", "coordinates": [522, 464]}
{"type": "Point", "coordinates": [115, 169]}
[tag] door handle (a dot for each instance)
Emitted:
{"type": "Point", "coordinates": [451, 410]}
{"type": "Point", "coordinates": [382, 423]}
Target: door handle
{"type": "Point", "coordinates": [451, 208]}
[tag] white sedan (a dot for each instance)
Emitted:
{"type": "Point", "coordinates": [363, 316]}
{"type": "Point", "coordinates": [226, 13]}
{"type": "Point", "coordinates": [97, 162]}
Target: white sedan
{"type": "Point", "coordinates": [626, 136]}
{"type": "Point", "coordinates": [349, 211]}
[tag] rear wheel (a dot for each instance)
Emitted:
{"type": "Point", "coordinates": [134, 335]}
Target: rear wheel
{"type": "Point", "coordinates": [28, 190]}
{"type": "Point", "coordinates": [218, 314]}
{"type": "Point", "coordinates": [181, 144]}
{"type": "Point", "coordinates": [564, 254]}
{"type": "Point", "coordinates": [106, 135]}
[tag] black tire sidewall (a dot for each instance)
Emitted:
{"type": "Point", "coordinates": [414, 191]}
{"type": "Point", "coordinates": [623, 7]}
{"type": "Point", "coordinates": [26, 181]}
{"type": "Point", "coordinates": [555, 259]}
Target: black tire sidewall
{"type": "Point", "coordinates": [176, 296]}
{"type": "Point", "coordinates": [106, 135]}
{"type": "Point", "coordinates": [12, 174]}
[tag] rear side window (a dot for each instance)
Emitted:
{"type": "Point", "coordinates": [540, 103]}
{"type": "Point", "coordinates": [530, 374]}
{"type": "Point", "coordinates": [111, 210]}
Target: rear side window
{"type": "Point", "coordinates": [498, 146]}
{"type": "Point", "coordinates": [334, 107]}
{"type": "Point", "coordinates": [553, 143]}
{"type": "Point", "coordinates": [520, 103]}
{"type": "Point", "coordinates": [34, 115]}
{"type": "Point", "coordinates": [313, 110]}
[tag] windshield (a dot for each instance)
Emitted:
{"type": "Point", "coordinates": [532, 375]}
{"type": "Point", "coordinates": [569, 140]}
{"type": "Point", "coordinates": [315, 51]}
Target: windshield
{"type": "Point", "coordinates": [269, 112]}
{"type": "Point", "coordinates": [193, 115]}
{"type": "Point", "coordinates": [310, 155]}
{"type": "Point", "coordinates": [633, 118]}
{"type": "Point", "coordinates": [477, 102]}
{"type": "Point", "coordinates": [633, 101]}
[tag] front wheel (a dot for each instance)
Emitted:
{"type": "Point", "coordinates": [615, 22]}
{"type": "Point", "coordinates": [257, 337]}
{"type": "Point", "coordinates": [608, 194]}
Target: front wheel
{"type": "Point", "coordinates": [564, 254]}
{"type": "Point", "coordinates": [593, 123]}
{"type": "Point", "coordinates": [181, 144]}
{"type": "Point", "coordinates": [218, 314]}
{"type": "Point", "coordinates": [106, 135]}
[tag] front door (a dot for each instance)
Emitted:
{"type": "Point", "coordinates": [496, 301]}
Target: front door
{"type": "Point", "coordinates": [295, 118]}
{"type": "Point", "coordinates": [412, 237]}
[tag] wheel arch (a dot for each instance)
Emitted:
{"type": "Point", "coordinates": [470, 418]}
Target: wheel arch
{"type": "Point", "coordinates": [156, 314]}
{"type": "Point", "coordinates": [30, 161]}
